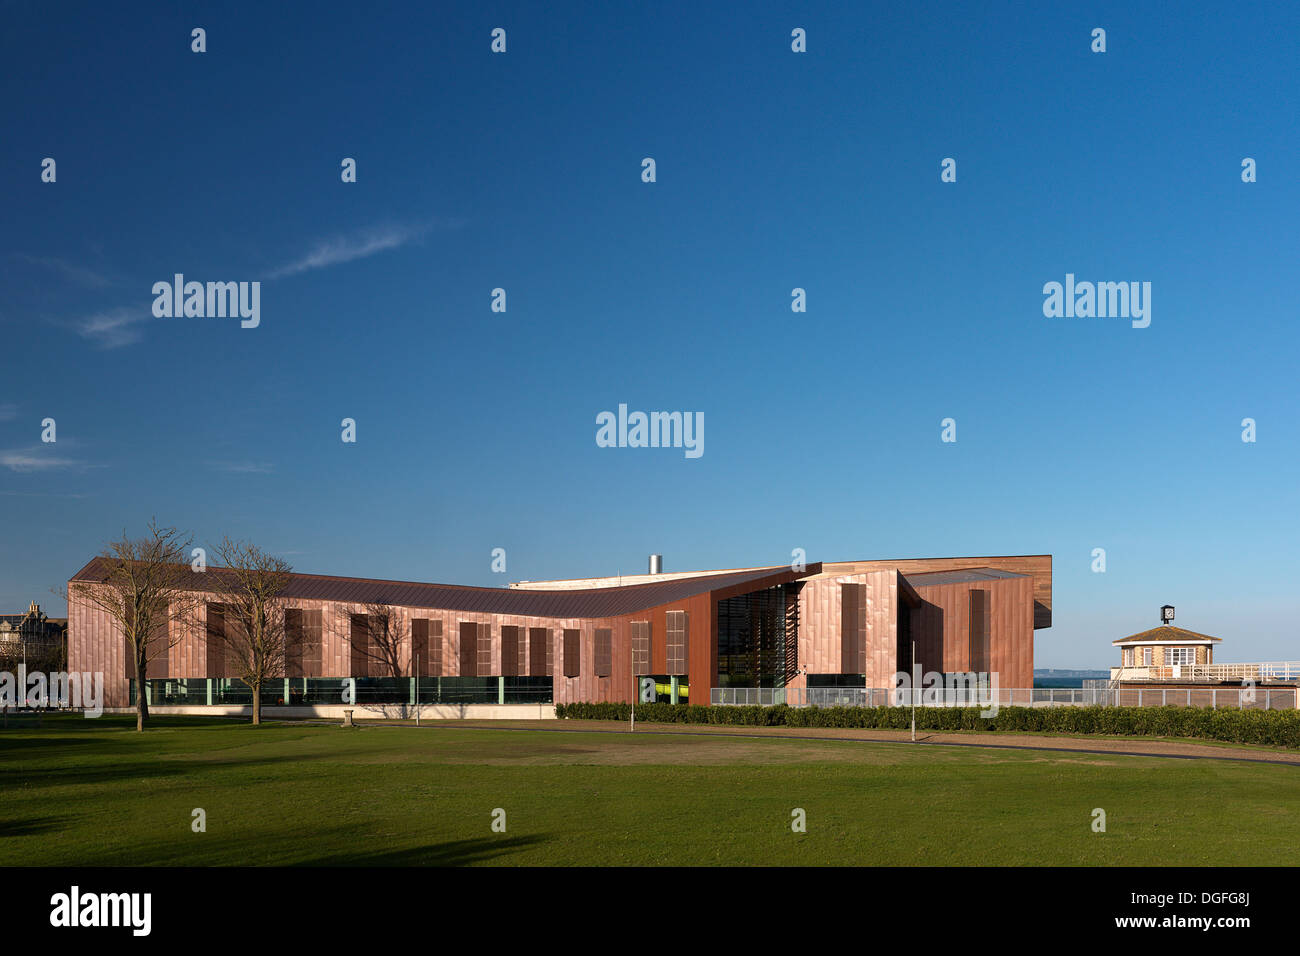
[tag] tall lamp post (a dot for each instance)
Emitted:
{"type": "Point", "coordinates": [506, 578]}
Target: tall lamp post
{"type": "Point", "coordinates": [913, 691]}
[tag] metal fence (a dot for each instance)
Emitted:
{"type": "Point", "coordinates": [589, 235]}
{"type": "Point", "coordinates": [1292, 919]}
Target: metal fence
{"type": "Point", "coordinates": [312, 691]}
{"type": "Point", "coordinates": [1243, 698]}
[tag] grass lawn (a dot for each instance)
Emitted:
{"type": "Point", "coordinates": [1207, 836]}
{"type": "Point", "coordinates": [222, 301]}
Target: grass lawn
{"type": "Point", "coordinates": [93, 792]}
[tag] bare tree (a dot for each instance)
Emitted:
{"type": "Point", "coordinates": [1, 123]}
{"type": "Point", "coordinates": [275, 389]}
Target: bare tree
{"type": "Point", "coordinates": [249, 584]}
{"type": "Point", "coordinates": [387, 638]}
{"type": "Point", "coordinates": [147, 588]}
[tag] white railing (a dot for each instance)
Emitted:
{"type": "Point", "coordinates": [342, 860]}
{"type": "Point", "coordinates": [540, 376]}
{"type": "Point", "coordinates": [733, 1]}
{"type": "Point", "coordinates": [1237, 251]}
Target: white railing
{"type": "Point", "coordinates": [1260, 673]}
{"type": "Point", "coordinates": [1243, 698]}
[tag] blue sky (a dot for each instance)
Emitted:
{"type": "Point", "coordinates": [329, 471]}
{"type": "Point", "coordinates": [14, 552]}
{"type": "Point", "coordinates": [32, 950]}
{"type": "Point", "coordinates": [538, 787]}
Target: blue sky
{"type": "Point", "coordinates": [775, 170]}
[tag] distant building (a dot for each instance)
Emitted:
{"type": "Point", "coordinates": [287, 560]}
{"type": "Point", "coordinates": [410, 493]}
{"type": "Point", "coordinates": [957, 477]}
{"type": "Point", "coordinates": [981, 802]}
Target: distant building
{"type": "Point", "coordinates": [32, 635]}
{"type": "Point", "coordinates": [1166, 646]}
{"type": "Point", "coordinates": [1172, 658]}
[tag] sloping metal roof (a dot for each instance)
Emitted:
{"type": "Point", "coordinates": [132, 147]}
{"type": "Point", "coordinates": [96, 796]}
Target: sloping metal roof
{"type": "Point", "coordinates": [961, 576]}
{"type": "Point", "coordinates": [584, 603]}
{"type": "Point", "coordinates": [1166, 632]}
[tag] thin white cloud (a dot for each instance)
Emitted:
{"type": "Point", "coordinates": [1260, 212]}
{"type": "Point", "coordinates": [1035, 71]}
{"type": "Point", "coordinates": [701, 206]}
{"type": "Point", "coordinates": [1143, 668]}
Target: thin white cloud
{"type": "Point", "coordinates": [114, 328]}
{"type": "Point", "coordinates": [332, 252]}
{"type": "Point", "coordinates": [36, 458]}
{"type": "Point", "coordinates": [39, 494]}
{"type": "Point", "coordinates": [245, 467]}
{"type": "Point", "coordinates": [68, 270]}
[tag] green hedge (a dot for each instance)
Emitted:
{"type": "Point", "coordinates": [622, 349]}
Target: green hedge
{"type": "Point", "coordinates": [1278, 728]}
{"type": "Point", "coordinates": [676, 714]}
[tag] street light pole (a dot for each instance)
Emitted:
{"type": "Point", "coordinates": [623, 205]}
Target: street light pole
{"type": "Point", "coordinates": [913, 691]}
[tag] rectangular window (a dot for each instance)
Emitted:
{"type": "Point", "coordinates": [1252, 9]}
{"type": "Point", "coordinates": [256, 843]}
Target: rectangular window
{"type": "Point", "coordinates": [435, 650]}
{"type": "Point", "coordinates": [215, 642]}
{"type": "Point", "coordinates": [539, 658]}
{"type": "Point", "coordinates": [1146, 656]}
{"type": "Point", "coordinates": [641, 648]}
{"type": "Point", "coordinates": [1127, 654]}
{"type": "Point", "coordinates": [1181, 656]}
{"type": "Point", "coordinates": [510, 651]}
{"type": "Point", "coordinates": [604, 651]}
{"type": "Point", "coordinates": [678, 643]}
{"type": "Point", "coordinates": [313, 625]}
{"type": "Point", "coordinates": [302, 640]}
{"type": "Point", "coordinates": [572, 653]}
{"type": "Point", "coordinates": [853, 629]}
{"type": "Point", "coordinates": [468, 649]}
{"type": "Point", "coordinates": [293, 642]}
{"type": "Point", "coordinates": [485, 650]}
{"type": "Point", "coordinates": [359, 643]}
{"type": "Point", "coordinates": [979, 631]}
{"type": "Point", "coordinates": [426, 647]}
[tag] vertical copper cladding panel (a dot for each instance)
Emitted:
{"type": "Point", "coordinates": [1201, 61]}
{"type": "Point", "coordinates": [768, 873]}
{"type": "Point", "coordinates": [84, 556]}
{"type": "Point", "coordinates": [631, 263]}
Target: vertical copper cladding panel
{"type": "Point", "coordinates": [293, 642]}
{"type": "Point", "coordinates": [853, 626]}
{"type": "Point", "coordinates": [881, 628]}
{"type": "Point", "coordinates": [312, 620]}
{"type": "Point", "coordinates": [94, 644]}
{"type": "Point", "coordinates": [419, 646]}
{"type": "Point", "coordinates": [510, 650]}
{"type": "Point", "coordinates": [678, 643]}
{"type": "Point", "coordinates": [359, 645]}
{"type": "Point", "coordinates": [214, 643]}
{"type": "Point", "coordinates": [943, 628]}
{"type": "Point", "coordinates": [468, 649]}
{"type": "Point", "coordinates": [538, 657]}
{"type": "Point", "coordinates": [1037, 566]}
{"type": "Point", "coordinates": [848, 625]}
{"type": "Point", "coordinates": [436, 666]}
{"type": "Point", "coordinates": [572, 652]}
{"type": "Point", "coordinates": [603, 639]}
{"type": "Point", "coordinates": [980, 627]}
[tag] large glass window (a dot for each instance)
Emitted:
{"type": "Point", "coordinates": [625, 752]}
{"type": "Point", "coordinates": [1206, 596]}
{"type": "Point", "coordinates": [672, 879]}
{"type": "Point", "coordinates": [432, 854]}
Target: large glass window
{"type": "Point", "coordinates": [758, 636]}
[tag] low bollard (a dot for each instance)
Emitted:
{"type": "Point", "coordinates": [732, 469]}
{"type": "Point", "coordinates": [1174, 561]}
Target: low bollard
{"type": "Point", "coordinates": [347, 719]}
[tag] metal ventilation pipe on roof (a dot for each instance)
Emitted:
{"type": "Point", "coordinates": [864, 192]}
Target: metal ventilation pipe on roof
{"type": "Point", "coordinates": [656, 564]}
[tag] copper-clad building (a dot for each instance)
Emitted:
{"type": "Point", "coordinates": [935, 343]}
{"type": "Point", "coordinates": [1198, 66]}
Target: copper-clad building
{"type": "Point", "coordinates": [833, 624]}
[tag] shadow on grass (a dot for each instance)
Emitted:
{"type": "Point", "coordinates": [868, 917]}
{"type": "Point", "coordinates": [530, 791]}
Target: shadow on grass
{"type": "Point", "coordinates": [286, 849]}
{"type": "Point", "coordinates": [31, 826]}
{"type": "Point", "coordinates": [201, 771]}
{"type": "Point", "coordinates": [453, 853]}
